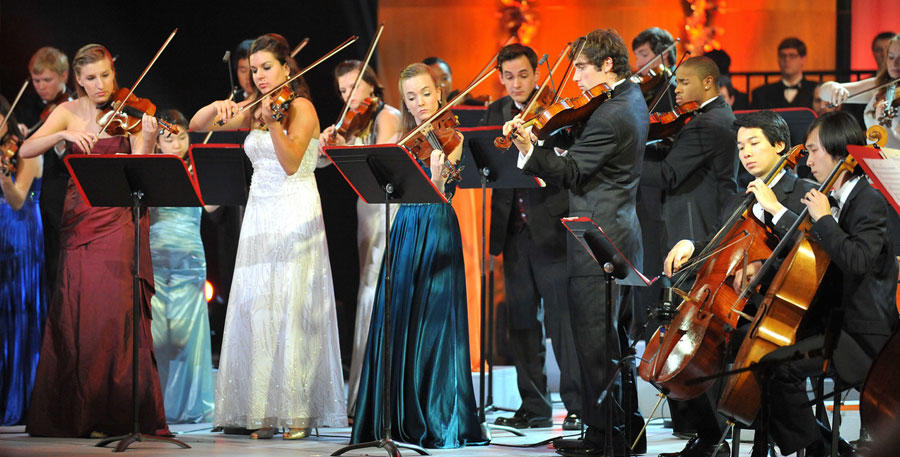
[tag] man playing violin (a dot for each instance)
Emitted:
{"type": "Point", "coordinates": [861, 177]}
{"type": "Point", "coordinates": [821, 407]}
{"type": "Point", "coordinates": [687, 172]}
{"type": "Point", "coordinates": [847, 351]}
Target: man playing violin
{"type": "Point", "coordinates": [855, 310]}
{"type": "Point", "coordinates": [762, 138]}
{"type": "Point", "coordinates": [49, 69]}
{"type": "Point", "coordinates": [525, 228]}
{"type": "Point", "coordinates": [601, 172]}
{"type": "Point", "coordinates": [647, 46]}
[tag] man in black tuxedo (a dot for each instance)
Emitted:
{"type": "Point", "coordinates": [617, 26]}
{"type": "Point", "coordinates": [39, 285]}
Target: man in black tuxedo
{"type": "Point", "coordinates": [855, 311]}
{"type": "Point", "coordinates": [49, 69]}
{"type": "Point", "coordinates": [762, 137]}
{"type": "Point", "coordinates": [601, 171]}
{"type": "Point", "coordinates": [525, 228]}
{"type": "Point", "coordinates": [793, 90]}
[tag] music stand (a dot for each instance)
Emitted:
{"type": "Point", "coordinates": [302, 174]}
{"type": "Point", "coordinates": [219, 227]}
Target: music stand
{"type": "Point", "coordinates": [484, 165]}
{"type": "Point", "coordinates": [616, 266]}
{"type": "Point", "coordinates": [134, 181]}
{"type": "Point", "coordinates": [223, 173]}
{"type": "Point", "coordinates": [219, 136]}
{"type": "Point", "coordinates": [387, 174]}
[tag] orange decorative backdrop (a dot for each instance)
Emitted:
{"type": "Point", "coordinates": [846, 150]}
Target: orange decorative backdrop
{"type": "Point", "coordinates": [467, 33]}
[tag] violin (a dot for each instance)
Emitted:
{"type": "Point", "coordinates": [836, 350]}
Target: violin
{"type": "Point", "coordinates": [358, 119]}
{"type": "Point", "coordinates": [694, 343]}
{"type": "Point", "coordinates": [890, 106]}
{"type": "Point", "coordinates": [9, 154]}
{"type": "Point", "coordinates": [651, 80]}
{"type": "Point", "coordinates": [127, 120]}
{"type": "Point", "coordinates": [538, 103]}
{"type": "Point", "coordinates": [439, 133]}
{"type": "Point", "coordinates": [568, 111]}
{"type": "Point", "coordinates": [665, 124]}
{"type": "Point", "coordinates": [281, 102]}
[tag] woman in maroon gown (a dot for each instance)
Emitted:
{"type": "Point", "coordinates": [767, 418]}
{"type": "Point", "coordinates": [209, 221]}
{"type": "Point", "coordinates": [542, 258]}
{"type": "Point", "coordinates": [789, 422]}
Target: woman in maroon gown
{"type": "Point", "coordinates": [83, 382]}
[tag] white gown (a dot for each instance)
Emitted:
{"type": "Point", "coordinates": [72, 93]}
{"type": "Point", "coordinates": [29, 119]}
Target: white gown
{"type": "Point", "coordinates": [280, 361]}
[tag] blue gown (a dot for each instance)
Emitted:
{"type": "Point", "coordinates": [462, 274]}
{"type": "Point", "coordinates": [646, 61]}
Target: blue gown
{"type": "Point", "coordinates": [180, 325]}
{"type": "Point", "coordinates": [21, 301]}
{"type": "Point", "coordinates": [432, 400]}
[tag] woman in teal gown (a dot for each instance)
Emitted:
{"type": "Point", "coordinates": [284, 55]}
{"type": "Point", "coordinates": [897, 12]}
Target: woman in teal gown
{"type": "Point", "coordinates": [180, 323]}
{"type": "Point", "coordinates": [22, 304]}
{"type": "Point", "coordinates": [431, 399]}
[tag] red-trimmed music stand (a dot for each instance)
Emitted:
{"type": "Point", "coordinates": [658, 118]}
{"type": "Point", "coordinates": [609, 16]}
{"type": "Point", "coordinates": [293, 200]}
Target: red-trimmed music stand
{"type": "Point", "coordinates": [223, 173]}
{"type": "Point", "coordinates": [615, 266]}
{"type": "Point", "coordinates": [484, 165]}
{"type": "Point", "coordinates": [384, 173]}
{"type": "Point", "coordinates": [135, 181]}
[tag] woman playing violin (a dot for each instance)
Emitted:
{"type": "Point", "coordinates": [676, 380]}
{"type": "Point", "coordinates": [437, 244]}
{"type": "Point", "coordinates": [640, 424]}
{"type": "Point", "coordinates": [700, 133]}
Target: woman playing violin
{"type": "Point", "coordinates": [280, 361]}
{"type": "Point", "coordinates": [380, 125]}
{"type": "Point", "coordinates": [428, 309]}
{"type": "Point", "coordinates": [79, 390]}
{"type": "Point", "coordinates": [22, 295]}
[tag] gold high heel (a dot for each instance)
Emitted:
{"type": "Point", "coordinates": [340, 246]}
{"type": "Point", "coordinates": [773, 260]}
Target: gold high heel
{"type": "Point", "coordinates": [295, 434]}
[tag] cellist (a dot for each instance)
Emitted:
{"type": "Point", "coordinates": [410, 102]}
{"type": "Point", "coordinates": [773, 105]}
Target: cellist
{"type": "Point", "coordinates": [858, 292]}
{"type": "Point", "coordinates": [601, 172]}
{"type": "Point", "coordinates": [762, 137]}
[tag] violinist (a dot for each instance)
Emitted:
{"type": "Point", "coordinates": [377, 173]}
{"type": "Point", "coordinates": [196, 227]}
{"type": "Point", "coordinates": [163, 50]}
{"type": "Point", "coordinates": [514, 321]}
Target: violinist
{"type": "Point", "coordinates": [855, 308]}
{"type": "Point", "coordinates": [79, 390]}
{"type": "Point", "coordinates": [382, 127]}
{"type": "Point", "coordinates": [525, 228]}
{"type": "Point", "coordinates": [22, 296]}
{"type": "Point", "coordinates": [282, 294]}
{"type": "Point", "coordinates": [650, 44]}
{"type": "Point", "coordinates": [432, 382]}
{"type": "Point", "coordinates": [49, 69]}
{"type": "Point", "coordinates": [601, 172]}
{"type": "Point", "coordinates": [762, 137]}
{"type": "Point", "coordinates": [875, 113]}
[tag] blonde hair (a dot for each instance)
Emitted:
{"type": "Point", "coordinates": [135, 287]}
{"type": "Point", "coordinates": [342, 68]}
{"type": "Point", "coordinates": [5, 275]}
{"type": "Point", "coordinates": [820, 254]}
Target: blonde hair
{"type": "Point", "coordinates": [48, 58]}
{"type": "Point", "coordinates": [89, 54]}
{"type": "Point", "coordinates": [407, 120]}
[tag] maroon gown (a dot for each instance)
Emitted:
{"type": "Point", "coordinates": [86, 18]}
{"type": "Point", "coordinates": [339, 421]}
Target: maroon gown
{"type": "Point", "coordinates": [83, 381]}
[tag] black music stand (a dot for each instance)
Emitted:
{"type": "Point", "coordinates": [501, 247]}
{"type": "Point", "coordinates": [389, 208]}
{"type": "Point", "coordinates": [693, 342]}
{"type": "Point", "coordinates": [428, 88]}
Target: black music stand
{"type": "Point", "coordinates": [134, 181]}
{"type": "Point", "coordinates": [484, 165]}
{"type": "Point", "coordinates": [219, 136]}
{"type": "Point", "coordinates": [223, 173]}
{"type": "Point", "coordinates": [386, 174]}
{"type": "Point", "coordinates": [616, 266]}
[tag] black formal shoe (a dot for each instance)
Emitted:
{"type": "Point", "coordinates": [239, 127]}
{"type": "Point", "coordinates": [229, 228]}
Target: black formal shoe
{"type": "Point", "coordinates": [696, 448]}
{"type": "Point", "coordinates": [572, 422]}
{"type": "Point", "coordinates": [523, 419]}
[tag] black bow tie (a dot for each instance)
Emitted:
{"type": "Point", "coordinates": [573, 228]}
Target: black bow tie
{"type": "Point", "coordinates": [833, 202]}
{"type": "Point", "coordinates": [515, 110]}
{"type": "Point", "coordinates": [795, 86]}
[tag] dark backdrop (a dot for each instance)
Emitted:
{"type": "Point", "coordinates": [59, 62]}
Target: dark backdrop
{"type": "Point", "coordinates": [190, 73]}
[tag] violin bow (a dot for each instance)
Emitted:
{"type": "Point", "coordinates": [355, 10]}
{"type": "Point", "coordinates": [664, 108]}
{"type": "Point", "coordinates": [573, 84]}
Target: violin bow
{"type": "Point", "coordinates": [447, 106]}
{"type": "Point", "coordinates": [580, 45]}
{"type": "Point", "coordinates": [657, 57]}
{"type": "Point", "coordinates": [300, 46]}
{"type": "Point", "coordinates": [134, 86]}
{"type": "Point", "coordinates": [359, 76]}
{"type": "Point", "coordinates": [870, 90]}
{"type": "Point", "coordinates": [668, 83]}
{"type": "Point", "coordinates": [327, 56]}
{"type": "Point", "coordinates": [14, 103]}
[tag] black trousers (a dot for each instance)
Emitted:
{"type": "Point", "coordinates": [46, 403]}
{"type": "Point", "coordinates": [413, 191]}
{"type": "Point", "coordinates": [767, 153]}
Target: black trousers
{"type": "Point", "coordinates": [536, 297]}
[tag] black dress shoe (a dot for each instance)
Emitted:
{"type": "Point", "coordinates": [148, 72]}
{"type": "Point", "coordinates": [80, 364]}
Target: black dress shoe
{"type": "Point", "coordinates": [572, 422]}
{"type": "Point", "coordinates": [696, 448]}
{"type": "Point", "coordinates": [524, 419]}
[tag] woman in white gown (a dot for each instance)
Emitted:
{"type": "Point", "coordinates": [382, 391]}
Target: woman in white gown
{"type": "Point", "coordinates": [280, 361]}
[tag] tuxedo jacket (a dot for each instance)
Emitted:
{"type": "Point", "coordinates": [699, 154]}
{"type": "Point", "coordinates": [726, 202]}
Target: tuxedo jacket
{"type": "Point", "coordinates": [601, 173]}
{"type": "Point", "coordinates": [771, 96]}
{"type": "Point", "coordinates": [698, 174]}
{"type": "Point", "coordinates": [861, 280]}
{"type": "Point", "coordinates": [543, 206]}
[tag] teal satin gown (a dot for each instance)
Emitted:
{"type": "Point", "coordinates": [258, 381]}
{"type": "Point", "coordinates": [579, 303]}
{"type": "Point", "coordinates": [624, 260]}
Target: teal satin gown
{"type": "Point", "coordinates": [180, 323]}
{"type": "Point", "coordinates": [432, 399]}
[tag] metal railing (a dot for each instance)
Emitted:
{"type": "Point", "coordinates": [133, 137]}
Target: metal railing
{"type": "Point", "coordinates": [747, 80]}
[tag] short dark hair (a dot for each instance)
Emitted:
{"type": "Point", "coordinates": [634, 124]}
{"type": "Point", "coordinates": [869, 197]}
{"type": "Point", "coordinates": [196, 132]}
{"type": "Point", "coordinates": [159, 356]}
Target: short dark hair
{"type": "Point", "coordinates": [514, 51]}
{"type": "Point", "coordinates": [882, 36]}
{"type": "Point", "coordinates": [722, 60]}
{"type": "Point", "coordinates": [173, 116]}
{"type": "Point", "coordinates": [658, 39]}
{"type": "Point", "coordinates": [705, 68]}
{"type": "Point", "coordinates": [838, 129]}
{"type": "Point", "coordinates": [771, 123]}
{"type": "Point", "coordinates": [793, 43]}
{"type": "Point", "coordinates": [242, 51]}
{"type": "Point", "coordinates": [602, 44]}
{"type": "Point", "coordinates": [436, 60]}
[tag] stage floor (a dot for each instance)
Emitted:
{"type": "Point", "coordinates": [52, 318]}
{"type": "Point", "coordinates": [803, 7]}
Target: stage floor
{"type": "Point", "coordinates": [14, 442]}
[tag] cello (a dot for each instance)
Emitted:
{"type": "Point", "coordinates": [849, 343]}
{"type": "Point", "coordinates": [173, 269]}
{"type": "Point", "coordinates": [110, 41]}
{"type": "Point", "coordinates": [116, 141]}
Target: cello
{"type": "Point", "coordinates": [694, 343]}
{"type": "Point", "coordinates": [787, 299]}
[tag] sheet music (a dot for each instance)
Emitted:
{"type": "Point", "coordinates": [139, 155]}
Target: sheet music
{"type": "Point", "coordinates": [883, 168]}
